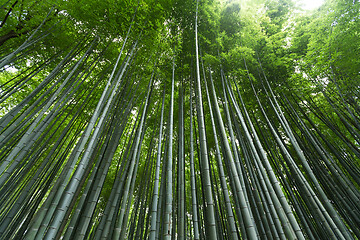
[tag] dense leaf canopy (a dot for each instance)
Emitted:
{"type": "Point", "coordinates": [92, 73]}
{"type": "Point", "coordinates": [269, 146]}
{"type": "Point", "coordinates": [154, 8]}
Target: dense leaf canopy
{"type": "Point", "coordinates": [174, 119]}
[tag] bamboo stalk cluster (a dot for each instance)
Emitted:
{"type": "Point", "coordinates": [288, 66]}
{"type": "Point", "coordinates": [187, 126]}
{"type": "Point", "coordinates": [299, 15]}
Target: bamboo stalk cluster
{"type": "Point", "coordinates": [94, 157]}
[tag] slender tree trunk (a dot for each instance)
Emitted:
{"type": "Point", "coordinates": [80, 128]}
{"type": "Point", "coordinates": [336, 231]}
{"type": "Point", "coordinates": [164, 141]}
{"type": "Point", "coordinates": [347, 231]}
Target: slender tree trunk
{"type": "Point", "coordinates": [209, 200]}
{"type": "Point", "coordinates": [168, 196]}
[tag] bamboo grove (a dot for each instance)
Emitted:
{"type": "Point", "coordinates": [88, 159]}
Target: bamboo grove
{"type": "Point", "coordinates": [178, 122]}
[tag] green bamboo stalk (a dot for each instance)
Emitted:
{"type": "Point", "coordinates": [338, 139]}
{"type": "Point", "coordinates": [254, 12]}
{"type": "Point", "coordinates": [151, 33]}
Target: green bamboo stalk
{"type": "Point", "coordinates": [155, 196]}
{"type": "Point", "coordinates": [210, 226]}
{"type": "Point", "coordinates": [168, 196]}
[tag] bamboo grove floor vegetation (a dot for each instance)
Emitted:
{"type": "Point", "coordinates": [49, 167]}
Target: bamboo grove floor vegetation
{"type": "Point", "coordinates": [181, 119]}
